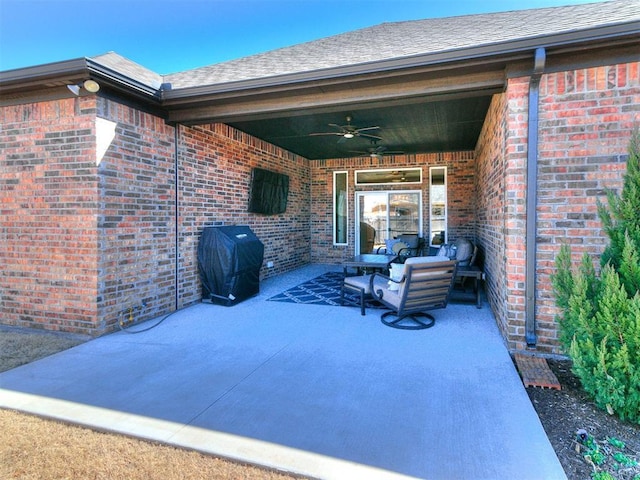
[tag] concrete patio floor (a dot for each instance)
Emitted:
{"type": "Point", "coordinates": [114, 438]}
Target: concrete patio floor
{"type": "Point", "coordinates": [316, 390]}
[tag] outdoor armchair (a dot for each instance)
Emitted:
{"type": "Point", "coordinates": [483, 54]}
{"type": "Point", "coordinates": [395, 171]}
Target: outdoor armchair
{"type": "Point", "coordinates": [404, 246]}
{"type": "Point", "coordinates": [415, 244]}
{"type": "Point", "coordinates": [425, 284]}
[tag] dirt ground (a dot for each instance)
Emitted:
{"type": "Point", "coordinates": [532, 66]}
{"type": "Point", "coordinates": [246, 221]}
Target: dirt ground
{"type": "Point", "coordinates": [28, 452]}
{"type": "Point", "coordinates": [563, 413]}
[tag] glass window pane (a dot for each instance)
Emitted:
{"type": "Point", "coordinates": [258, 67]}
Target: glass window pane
{"type": "Point", "coordinates": [437, 206]}
{"type": "Point", "coordinates": [385, 215]}
{"type": "Point", "coordinates": [404, 213]}
{"type": "Point", "coordinates": [372, 212]}
{"type": "Point", "coordinates": [388, 176]}
{"type": "Point", "coordinates": [340, 208]}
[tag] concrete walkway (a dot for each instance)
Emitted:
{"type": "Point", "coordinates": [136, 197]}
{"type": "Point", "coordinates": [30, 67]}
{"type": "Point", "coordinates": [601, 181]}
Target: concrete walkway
{"type": "Point", "coordinates": [315, 390]}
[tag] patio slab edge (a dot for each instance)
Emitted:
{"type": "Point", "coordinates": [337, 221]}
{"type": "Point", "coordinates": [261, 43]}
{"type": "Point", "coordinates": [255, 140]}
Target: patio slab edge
{"type": "Point", "coordinates": [241, 449]}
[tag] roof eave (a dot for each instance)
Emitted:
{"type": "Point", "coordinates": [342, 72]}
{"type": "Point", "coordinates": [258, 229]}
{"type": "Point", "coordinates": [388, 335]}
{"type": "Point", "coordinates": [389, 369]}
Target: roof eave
{"type": "Point", "coordinates": [39, 73]}
{"type": "Point", "coordinates": [508, 51]}
{"type": "Point", "coordinates": [70, 71]}
{"type": "Point", "coordinates": [34, 77]}
{"type": "Point", "coordinates": [122, 82]}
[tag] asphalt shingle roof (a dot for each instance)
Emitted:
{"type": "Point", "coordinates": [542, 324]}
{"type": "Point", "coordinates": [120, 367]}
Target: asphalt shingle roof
{"type": "Point", "coordinates": [129, 68]}
{"type": "Point", "coordinates": [393, 41]}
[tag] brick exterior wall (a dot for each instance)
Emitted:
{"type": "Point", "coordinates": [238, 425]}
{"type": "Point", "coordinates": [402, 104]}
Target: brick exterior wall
{"type": "Point", "coordinates": [48, 205]}
{"type": "Point", "coordinates": [515, 210]}
{"type": "Point", "coordinates": [586, 120]}
{"type": "Point", "coordinates": [88, 242]}
{"type": "Point", "coordinates": [491, 197]}
{"type": "Point", "coordinates": [88, 231]}
{"type": "Point", "coordinates": [136, 219]}
{"type": "Point", "coordinates": [460, 196]}
{"type": "Point", "coordinates": [215, 173]}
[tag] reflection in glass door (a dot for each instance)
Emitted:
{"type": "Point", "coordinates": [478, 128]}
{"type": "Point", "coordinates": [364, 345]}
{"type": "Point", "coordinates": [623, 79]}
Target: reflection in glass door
{"type": "Point", "coordinates": [385, 215]}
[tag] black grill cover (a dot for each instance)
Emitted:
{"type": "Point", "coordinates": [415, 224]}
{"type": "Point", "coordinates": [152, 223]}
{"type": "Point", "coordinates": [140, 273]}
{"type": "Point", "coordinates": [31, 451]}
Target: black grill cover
{"type": "Point", "coordinates": [229, 262]}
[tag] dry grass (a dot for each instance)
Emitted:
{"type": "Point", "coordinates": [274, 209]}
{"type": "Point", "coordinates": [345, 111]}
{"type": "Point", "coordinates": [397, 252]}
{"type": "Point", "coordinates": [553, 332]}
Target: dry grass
{"type": "Point", "coordinates": [20, 347]}
{"type": "Point", "coordinates": [35, 448]}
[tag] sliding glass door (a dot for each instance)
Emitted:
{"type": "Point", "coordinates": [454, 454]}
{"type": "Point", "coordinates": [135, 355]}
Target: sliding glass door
{"type": "Point", "coordinates": [383, 215]}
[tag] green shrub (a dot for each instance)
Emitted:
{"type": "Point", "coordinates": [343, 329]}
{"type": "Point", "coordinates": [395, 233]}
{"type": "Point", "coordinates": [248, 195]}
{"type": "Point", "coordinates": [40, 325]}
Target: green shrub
{"type": "Point", "coordinates": [600, 314]}
{"type": "Point", "coordinates": [621, 222]}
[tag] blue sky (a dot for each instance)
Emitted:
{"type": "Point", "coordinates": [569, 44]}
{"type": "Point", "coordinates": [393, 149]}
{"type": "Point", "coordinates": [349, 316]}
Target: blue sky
{"type": "Point", "coordinates": [174, 35]}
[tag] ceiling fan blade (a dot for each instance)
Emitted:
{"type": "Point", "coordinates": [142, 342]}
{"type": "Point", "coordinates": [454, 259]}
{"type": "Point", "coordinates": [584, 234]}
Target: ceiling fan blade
{"type": "Point", "coordinates": [366, 128]}
{"type": "Point", "coordinates": [368, 135]}
{"type": "Point", "coordinates": [349, 131]}
{"type": "Point", "coordinates": [377, 152]}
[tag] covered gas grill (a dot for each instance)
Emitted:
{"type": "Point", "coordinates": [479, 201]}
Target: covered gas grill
{"type": "Point", "coordinates": [229, 262]}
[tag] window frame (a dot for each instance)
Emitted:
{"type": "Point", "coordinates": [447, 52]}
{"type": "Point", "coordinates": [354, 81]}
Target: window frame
{"type": "Point", "coordinates": [440, 218]}
{"type": "Point", "coordinates": [358, 181]}
{"type": "Point", "coordinates": [344, 231]}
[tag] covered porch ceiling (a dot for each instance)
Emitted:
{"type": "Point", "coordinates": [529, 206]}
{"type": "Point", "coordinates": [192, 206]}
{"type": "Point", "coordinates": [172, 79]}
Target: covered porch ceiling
{"type": "Point", "coordinates": [427, 126]}
{"type": "Point", "coordinates": [416, 110]}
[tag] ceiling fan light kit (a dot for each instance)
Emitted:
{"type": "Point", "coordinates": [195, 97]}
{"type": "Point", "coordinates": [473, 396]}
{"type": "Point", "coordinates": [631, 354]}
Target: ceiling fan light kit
{"type": "Point", "coordinates": [350, 131]}
{"type": "Point", "coordinates": [378, 151]}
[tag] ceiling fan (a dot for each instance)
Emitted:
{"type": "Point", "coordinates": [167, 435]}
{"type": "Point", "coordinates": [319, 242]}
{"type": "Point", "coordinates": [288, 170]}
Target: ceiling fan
{"type": "Point", "coordinates": [349, 131]}
{"type": "Point", "coordinates": [378, 151]}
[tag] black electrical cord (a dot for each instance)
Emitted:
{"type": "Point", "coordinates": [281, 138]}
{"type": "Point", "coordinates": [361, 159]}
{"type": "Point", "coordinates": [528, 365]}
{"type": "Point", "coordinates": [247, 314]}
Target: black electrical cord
{"type": "Point", "coordinates": [126, 329]}
{"type": "Point", "coordinates": [177, 240]}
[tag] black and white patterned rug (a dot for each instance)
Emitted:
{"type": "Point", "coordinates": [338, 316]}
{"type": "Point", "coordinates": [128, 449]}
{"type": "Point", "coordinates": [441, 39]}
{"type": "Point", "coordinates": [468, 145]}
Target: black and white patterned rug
{"type": "Point", "coordinates": [322, 290]}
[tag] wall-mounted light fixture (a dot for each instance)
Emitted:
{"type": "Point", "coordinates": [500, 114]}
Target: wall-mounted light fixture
{"type": "Point", "coordinates": [90, 86]}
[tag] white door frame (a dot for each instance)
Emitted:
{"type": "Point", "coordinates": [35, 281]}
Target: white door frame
{"type": "Point", "coordinates": [386, 193]}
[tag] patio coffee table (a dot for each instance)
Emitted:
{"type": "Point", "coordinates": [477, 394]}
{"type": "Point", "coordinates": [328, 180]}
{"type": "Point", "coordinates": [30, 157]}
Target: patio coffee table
{"type": "Point", "coordinates": [373, 261]}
